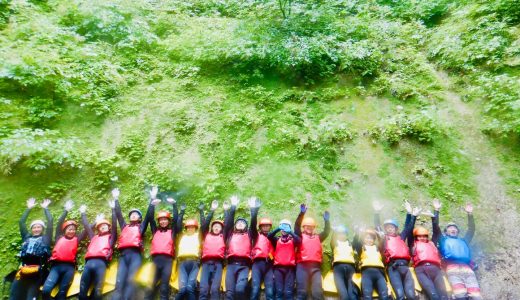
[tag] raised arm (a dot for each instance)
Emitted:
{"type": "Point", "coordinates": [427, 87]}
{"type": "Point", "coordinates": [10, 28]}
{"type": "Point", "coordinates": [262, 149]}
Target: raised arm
{"type": "Point", "coordinates": [471, 223]}
{"type": "Point", "coordinates": [207, 221]}
{"type": "Point", "coordinates": [180, 219]}
{"type": "Point", "coordinates": [150, 212]}
{"type": "Point", "coordinates": [60, 223]}
{"type": "Point", "coordinates": [299, 220]}
{"type": "Point", "coordinates": [48, 216]}
{"type": "Point", "coordinates": [356, 243]}
{"type": "Point", "coordinates": [23, 220]}
{"type": "Point", "coordinates": [271, 236]}
{"type": "Point", "coordinates": [118, 212]}
{"type": "Point", "coordinates": [326, 230]}
{"type": "Point", "coordinates": [411, 225]}
{"type": "Point", "coordinates": [113, 232]}
{"type": "Point", "coordinates": [254, 206]}
{"type": "Point", "coordinates": [436, 229]}
{"type": "Point", "coordinates": [230, 218]}
{"type": "Point", "coordinates": [296, 238]}
{"type": "Point", "coordinates": [84, 221]}
{"type": "Point", "coordinates": [377, 206]}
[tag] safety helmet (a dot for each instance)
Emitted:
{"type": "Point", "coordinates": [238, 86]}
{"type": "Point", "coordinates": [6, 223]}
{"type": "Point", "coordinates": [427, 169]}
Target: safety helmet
{"type": "Point", "coordinates": [101, 222]}
{"type": "Point", "coordinates": [451, 224]}
{"type": "Point", "coordinates": [191, 222]}
{"type": "Point", "coordinates": [308, 221]}
{"type": "Point", "coordinates": [341, 229]}
{"type": "Point", "coordinates": [420, 231]}
{"type": "Point", "coordinates": [217, 222]}
{"type": "Point", "coordinates": [241, 220]}
{"type": "Point", "coordinates": [285, 221]}
{"type": "Point", "coordinates": [392, 222]}
{"type": "Point", "coordinates": [265, 221]}
{"type": "Point", "coordinates": [163, 214]}
{"type": "Point", "coordinates": [137, 211]}
{"type": "Point", "coordinates": [38, 222]}
{"type": "Point", "coordinates": [68, 223]}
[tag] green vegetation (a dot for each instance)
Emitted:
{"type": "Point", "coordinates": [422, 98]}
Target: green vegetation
{"type": "Point", "coordinates": [345, 100]}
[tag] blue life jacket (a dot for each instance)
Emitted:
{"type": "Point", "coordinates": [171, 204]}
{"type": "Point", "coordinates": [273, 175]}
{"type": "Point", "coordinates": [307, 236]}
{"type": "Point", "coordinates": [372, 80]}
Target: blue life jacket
{"type": "Point", "coordinates": [454, 249]}
{"type": "Point", "coordinates": [35, 246]}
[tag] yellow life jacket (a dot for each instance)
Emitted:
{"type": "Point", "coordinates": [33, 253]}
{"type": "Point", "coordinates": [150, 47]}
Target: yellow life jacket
{"type": "Point", "coordinates": [189, 246]}
{"type": "Point", "coordinates": [371, 257]}
{"type": "Point", "coordinates": [343, 253]}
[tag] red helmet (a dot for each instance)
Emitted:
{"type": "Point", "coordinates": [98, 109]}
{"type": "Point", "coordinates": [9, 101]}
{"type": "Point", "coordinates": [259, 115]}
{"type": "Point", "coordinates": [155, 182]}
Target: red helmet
{"type": "Point", "coordinates": [191, 222]}
{"type": "Point", "coordinates": [68, 223]}
{"type": "Point", "coordinates": [163, 214]}
{"type": "Point", "coordinates": [101, 222]}
{"type": "Point", "coordinates": [265, 221]}
{"type": "Point", "coordinates": [420, 231]}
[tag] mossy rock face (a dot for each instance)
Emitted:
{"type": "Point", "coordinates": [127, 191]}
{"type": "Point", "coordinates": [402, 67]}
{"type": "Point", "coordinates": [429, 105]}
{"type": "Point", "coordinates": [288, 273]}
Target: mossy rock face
{"type": "Point", "coordinates": [346, 102]}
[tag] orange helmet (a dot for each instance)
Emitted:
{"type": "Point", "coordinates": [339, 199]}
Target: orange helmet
{"type": "Point", "coordinates": [371, 232]}
{"type": "Point", "coordinates": [191, 222]}
{"type": "Point", "coordinates": [265, 221]}
{"type": "Point", "coordinates": [68, 223]}
{"type": "Point", "coordinates": [163, 214]}
{"type": "Point", "coordinates": [308, 221]}
{"type": "Point", "coordinates": [101, 222]}
{"type": "Point", "coordinates": [420, 231]}
{"type": "Point", "coordinates": [218, 222]}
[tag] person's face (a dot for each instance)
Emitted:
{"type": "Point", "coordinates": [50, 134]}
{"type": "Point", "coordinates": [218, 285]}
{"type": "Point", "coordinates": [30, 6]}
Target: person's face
{"type": "Point", "coordinates": [134, 217]}
{"type": "Point", "coordinates": [368, 240]}
{"type": "Point", "coordinates": [191, 229]}
{"type": "Point", "coordinates": [341, 237]}
{"type": "Point", "coordinates": [37, 229]}
{"type": "Point", "coordinates": [390, 229]}
{"type": "Point", "coordinates": [422, 238]}
{"type": "Point", "coordinates": [308, 229]}
{"type": "Point", "coordinates": [452, 231]}
{"type": "Point", "coordinates": [240, 225]}
{"type": "Point", "coordinates": [265, 228]}
{"type": "Point", "coordinates": [70, 231]}
{"type": "Point", "coordinates": [164, 222]}
{"type": "Point", "coordinates": [216, 228]}
{"type": "Point", "coordinates": [103, 228]}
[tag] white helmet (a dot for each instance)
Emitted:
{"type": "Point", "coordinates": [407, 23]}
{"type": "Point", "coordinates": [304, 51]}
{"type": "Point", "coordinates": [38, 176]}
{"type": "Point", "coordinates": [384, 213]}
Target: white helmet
{"type": "Point", "coordinates": [37, 222]}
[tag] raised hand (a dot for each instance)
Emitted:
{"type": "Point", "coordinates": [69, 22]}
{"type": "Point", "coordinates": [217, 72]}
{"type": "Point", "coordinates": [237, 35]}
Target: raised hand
{"type": "Point", "coordinates": [377, 206]}
{"type": "Point", "coordinates": [155, 201]}
{"type": "Point", "coordinates": [201, 206]}
{"type": "Point", "coordinates": [326, 215]}
{"type": "Point", "coordinates": [170, 200]}
{"type": "Point", "coordinates": [226, 205]}
{"type": "Point", "coordinates": [183, 207]}
{"type": "Point", "coordinates": [303, 208]}
{"type": "Point", "coordinates": [234, 200]}
{"type": "Point", "coordinates": [112, 203]}
{"type": "Point", "coordinates": [251, 202]}
{"type": "Point", "coordinates": [469, 208]}
{"type": "Point", "coordinates": [115, 193]}
{"type": "Point", "coordinates": [153, 192]}
{"type": "Point", "coordinates": [31, 202]}
{"type": "Point", "coordinates": [83, 209]}
{"type": "Point", "coordinates": [45, 203]}
{"type": "Point", "coordinates": [436, 204]}
{"type": "Point", "coordinates": [408, 207]}
{"type": "Point", "coordinates": [214, 205]}
{"type": "Point", "coordinates": [416, 211]}
{"type": "Point", "coordinates": [68, 205]}
{"type": "Point", "coordinates": [427, 213]}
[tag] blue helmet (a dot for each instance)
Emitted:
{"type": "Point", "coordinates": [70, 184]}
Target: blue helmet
{"type": "Point", "coordinates": [392, 222]}
{"type": "Point", "coordinates": [341, 229]}
{"type": "Point", "coordinates": [137, 211]}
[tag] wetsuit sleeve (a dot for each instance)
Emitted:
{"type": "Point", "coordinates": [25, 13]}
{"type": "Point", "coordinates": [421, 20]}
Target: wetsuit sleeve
{"type": "Point", "coordinates": [326, 231]}
{"type": "Point", "coordinates": [471, 229]}
{"type": "Point", "coordinates": [356, 244]}
{"type": "Point", "coordinates": [57, 234]}
{"type": "Point", "coordinates": [22, 224]}
{"type": "Point", "coordinates": [436, 229]}
{"type": "Point", "coordinates": [206, 222]}
{"type": "Point", "coordinates": [377, 221]}
{"type": "Point", "coordinates": [297, 239]}
{"type": "Point", "coordinates": [180, 218]}
{"type": "Point", "coordinates": [151, 221]}
{"type": "Point", "coordinates": [228, 225]}
{"type": "Point", "coordinates": [174, 220]}
{"type": "Point", "coordinates": [149, 215]}
{"type": "Point", "coordinates": [88, 229]}
{"type": "Point", "coordinates": [298, 224]}
{"type": "Point", "coordinates": [113, 233]}
{"type": "Point", "coordinates": [48, 233]}
{"type": "Point", "coordinates": [271, 236]}
{"type": "Point", "coordinates": [409, 231]}
{"type": "Point", "coordinates": [406, 229]}
{"type": "Point", "coordinates": [253, 229]}
{"type": "Point", "coordinates": [119, 216]}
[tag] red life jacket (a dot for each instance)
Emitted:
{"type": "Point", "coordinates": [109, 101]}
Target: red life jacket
{"type": "Point", "coordinates": [425, 253]}
{"type": "Point", "coordinates": [65, 250]}
{"type": "Point", "coordinates": [130, 237]}
{"type": "Point", "coordinates": [99, 247]}
{"type": "Point", "coordinates": [284, 253]}
{"type": "Point", "coordinates": [310, 250]}
{"type": "Point", "coordinates": [395, 248]}
{"type": "Point", "coordinates": [214, 246]}
{"type": "Point", "coordinates": [162, 243]}
{"type": "Point", "coordinates": [263, 248]}
{"type": "Point", "coordinates": [239, 245]}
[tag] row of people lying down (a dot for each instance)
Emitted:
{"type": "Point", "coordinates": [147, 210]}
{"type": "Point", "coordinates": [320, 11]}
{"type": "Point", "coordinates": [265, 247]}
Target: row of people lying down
{"type": "Point", "coordinates": [280, 259]}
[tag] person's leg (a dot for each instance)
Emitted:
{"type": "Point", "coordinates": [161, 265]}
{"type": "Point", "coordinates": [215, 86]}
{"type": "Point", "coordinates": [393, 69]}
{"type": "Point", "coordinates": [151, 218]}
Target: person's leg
{"type": "Point", "coordinates": [302, 281]}
{"type": "Point", "coordinates": [278, 283]}
{"type": "Point", "coordinates": [50, 282]}
{"type": "Point", "coordinates": [183, 279]}
{"type": "Point", "coordinates": [231, 281]}
{"type": "Point", "coordinates": [352, 290]}
{"type": "Point", "coordinates": [86, 279]}
{"type": "Point", "coordinates": [33, 289]}
{"type": "Point", "coordinates": [367, 283]}
{"type": "Point", "coordinates": [165, 274]}
{"type": "Point", "coordinates": [67, 275]}
{"type": "Point", "coordinates": [100, 266]}
{"type": "Point", "coordinates": [133, 267]}
{"type": "Point", "coordinates": [122, 274]}
{"type": "Point", "coordinates": [269, 282]}
{"type": "Point", "coordinates": [192, 279]}
{"type": "Point", "coordinates": [17, 290]}
{"type": "Point", "coordinates": [242, 281]}
{"type": "Point", "coordinates": [396, 282]}
{"type": "Point", "coordinates": [435, 273]}
{"type": "Point", "coordinates": [409, 285]}
{"type": "Point", "coordinates": [426, 283]}
{"type": "Point", "coordinates": [205, 280]}
{"type": "Point", "coordinates": [471, 284]}
{"type": "Point", "coordinates": [455, 277]}
{"type": "Point", "coordinates": [382, 288]}
{"type": "Point", "coordinates": [257, 272]}
{"type": "Point", "coordinates": [340, 280]}
{"type": "Point", "coordinates": [216, 280]}
{"type": "Point", "coordinates": [316, 283]}
{"type": "Point", "coordinates": [152, 292]}
{"type": "Point", "coordinates": [289, 280]}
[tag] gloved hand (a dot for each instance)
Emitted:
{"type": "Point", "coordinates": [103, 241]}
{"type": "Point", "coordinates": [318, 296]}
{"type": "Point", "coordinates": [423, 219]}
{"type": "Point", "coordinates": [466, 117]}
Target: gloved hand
{"type": "Point", "coordinates": [326, 216]}
{"type": "Point", "coordinates": [201, 206]}
{"type": "Point", "coordinates": [153, 192]}
{"type": "Point", "coordinates": [31, 202]}
{"type": "Point", "coordinates": [183, 207]}
{"type": "Point", "coordinates": [214, 205]}
{"type": "Point", "coordinates": [45, 203]}
{"type": "Point", "coordinates": [303, 208]}
{"type": "Point", "coordinates": [155, 201]}
{"type": "Point", "coordinates": [83, 209]}
{"type": "Point", "coordinates": [115, 193]}
{"type": "Point", "coordinates": [68, 205]}
{"type": "Point", "coordinates": [234, 200]}
{"type": "Point", "coordinates": [170, 200]}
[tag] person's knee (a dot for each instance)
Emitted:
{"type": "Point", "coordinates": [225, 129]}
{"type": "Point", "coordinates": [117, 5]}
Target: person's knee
{"type": "Point", "coordinates": [399, 294]}
{"type": "Point", "coordinates": [190, 288]}
{"type": "Point", "coordinates": [301, 293]}
{"type": "Point", "coordinates": [47, 289]}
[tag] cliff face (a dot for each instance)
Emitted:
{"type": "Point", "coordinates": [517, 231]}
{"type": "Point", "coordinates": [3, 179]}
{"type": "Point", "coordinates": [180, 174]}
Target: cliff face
{"type": "Point", "coordinates": [346, 101]}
